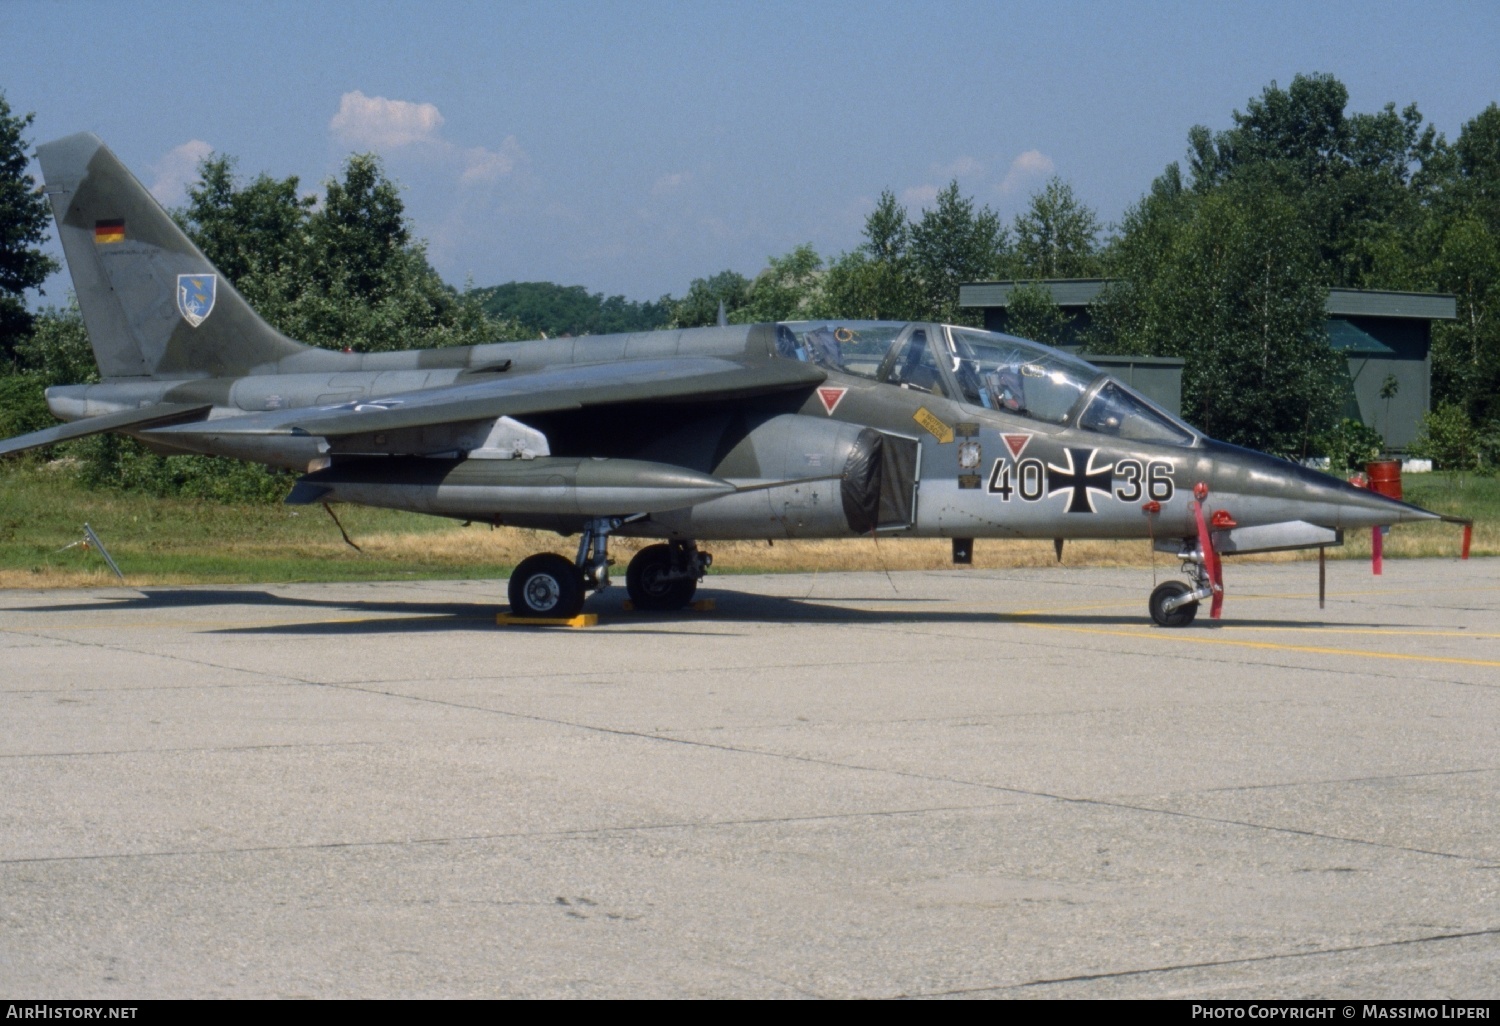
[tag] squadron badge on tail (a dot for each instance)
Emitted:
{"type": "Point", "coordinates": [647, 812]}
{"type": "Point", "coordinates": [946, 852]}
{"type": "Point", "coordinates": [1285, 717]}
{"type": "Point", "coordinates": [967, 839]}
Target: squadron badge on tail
{"type": "Point", "coordinates": [195, 296]}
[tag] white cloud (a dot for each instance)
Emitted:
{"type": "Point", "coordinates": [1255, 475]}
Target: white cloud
{"type": "Point", "coordinates": [963, 167]}
{"type": "Point", "coordinates": [482, 165]}
{"type": "Point", "coordinates": [919, 195]}
{"type": "Point", "coordinates": [175, 171]}
{"type": "Point", "coordinates": [1026, 169]}
{"type": "Point", "coordinates": [670, 183]}
{"type": "Point", "coordinates": [380, 123]}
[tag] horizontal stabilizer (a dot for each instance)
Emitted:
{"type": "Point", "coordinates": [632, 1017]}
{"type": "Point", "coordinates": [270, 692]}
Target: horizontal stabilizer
{"type": "Point", "coordinates": [150, 416]}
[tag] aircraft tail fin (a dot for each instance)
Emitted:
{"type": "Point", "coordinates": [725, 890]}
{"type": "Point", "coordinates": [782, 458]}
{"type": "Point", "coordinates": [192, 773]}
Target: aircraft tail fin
{"type": "Point", "coordinates": [153, 305]}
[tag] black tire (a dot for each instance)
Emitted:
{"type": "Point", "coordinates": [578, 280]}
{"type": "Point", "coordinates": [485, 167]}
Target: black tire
{"type": "Point", "coordinates": [1179, 617]}
{"type": "Point", "coordinates": [649, 586]}
{"type": "Point", "coordinates": [546, 585]}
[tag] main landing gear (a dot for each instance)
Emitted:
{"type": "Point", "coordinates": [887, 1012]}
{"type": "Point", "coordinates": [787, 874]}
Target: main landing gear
{"type": "Point", "coordinates": [660, 577]}
{"type": "Point", "coordinates": [665, 577]}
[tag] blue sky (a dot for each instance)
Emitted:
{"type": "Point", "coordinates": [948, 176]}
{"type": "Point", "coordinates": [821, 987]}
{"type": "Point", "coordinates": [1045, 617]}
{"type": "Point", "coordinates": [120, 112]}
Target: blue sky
{"type": "Point", "coordinates": [630, 147]}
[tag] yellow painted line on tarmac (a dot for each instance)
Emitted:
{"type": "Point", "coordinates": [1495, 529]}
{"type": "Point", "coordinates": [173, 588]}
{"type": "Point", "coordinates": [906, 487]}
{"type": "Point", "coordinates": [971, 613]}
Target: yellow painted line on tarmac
{"type": "Point", "coordinates": [1159, 635]}
{"type": "Point", "coordinates": [1399, 632]}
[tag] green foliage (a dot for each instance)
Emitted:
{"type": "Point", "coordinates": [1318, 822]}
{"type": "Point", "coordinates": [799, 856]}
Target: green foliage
{"type": "Point", "coordinates": [1451, 440]}
{"type": "Point", "coordinates": [1032, 313]}
{"type": "Point", "coordinates": [953, 244]}
{"type": "Point", "coordinates": [23, 407]}
{"type": "Point", "coordinates": [57, 351]}
{"type": "Point", "coordinates": [789, 289]}
{"type": "Point", "coordinates": [123, 464]}
{"type": "Point", "coordinates": [1229, 281]}
{"type": "Point", "coordinates": [255, 233]}
{"type": "Point", "coordinates": [23, 227]}
{"type": "Point", "coordinates": [1057, 236]}
{"type": "Point", "coordinates": [343, 274]}
{"type": "Point", "coordinates": [700, 307]}
{"type": "Point", "coordinates": [1349, 445]}
{"type": "Point", "coordinates": [877, 280]}
{"type": "Point", "coordinates": [1351, 173]}
{"type": "Point", "coordinates": [541, 307]}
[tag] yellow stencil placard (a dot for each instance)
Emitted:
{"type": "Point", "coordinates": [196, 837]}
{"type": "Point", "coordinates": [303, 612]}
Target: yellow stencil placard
{"type": "Point", "coordinates": [929, 420]}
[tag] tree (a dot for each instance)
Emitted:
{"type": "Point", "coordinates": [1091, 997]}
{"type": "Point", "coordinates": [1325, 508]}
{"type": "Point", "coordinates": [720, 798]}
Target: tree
{"type": "Point", "coordinates": [877, 280]}
{"type": "Point", "coordinates": [345, 275]}
{"type": "Point", "coordinates": [952, 244]}
{"type": "Point", "coordinates": [57, 352]}
{"type": "Point", "coordinates": [1353, 172]}
{"type": "Point", "coordinates": [251, 233]}
{"type": "Point", "coordinates": [543, 307]}
{"type": "Point", "coordinates": [23, 227]}
{"type": "Point", "coordinates": [360, 235]}
{"type": "Point", "coordinates": [790, 288]}
{"type": "Point", "coordinates": [1057, 236]}
{"type": "Point", "coordinates": [700, 306]}
{"type": "Point", "coordinates": [1033, 313]}
{"type": "Point", "coordinates": [1231, 282]}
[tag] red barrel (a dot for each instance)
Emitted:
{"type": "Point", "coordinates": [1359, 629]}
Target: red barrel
{"type": "Point", "coordinates": [1385, 477]}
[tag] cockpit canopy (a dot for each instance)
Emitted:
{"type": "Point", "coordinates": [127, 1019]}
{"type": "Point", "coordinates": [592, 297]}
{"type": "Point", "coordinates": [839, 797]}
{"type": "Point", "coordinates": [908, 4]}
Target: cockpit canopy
{"type": "Point", "coordinates": [986, 369]}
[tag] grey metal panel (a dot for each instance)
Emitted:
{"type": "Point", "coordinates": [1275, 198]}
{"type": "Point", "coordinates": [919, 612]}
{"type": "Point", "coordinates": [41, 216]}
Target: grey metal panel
{"type": "Point", "coordinates": [1399, 418]}
{"type": "Point", "coordinates": [1065, 291]}
{"type": "Point", "coordinates": [1372, 303]}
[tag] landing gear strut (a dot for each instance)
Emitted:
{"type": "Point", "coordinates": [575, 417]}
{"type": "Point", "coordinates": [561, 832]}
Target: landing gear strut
{"type": "Point", "coordinates": [665, 577]}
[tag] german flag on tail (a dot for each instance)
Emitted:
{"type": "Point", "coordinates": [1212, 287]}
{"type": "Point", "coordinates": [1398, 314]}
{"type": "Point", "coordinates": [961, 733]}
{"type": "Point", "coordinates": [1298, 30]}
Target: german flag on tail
{"type": "Point", "coordinates": [109, 231]}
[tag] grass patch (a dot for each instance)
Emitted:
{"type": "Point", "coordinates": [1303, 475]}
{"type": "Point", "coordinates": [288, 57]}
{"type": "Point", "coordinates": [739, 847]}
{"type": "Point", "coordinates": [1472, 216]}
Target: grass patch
{"type": "Point", "coordinates": [187, 541]}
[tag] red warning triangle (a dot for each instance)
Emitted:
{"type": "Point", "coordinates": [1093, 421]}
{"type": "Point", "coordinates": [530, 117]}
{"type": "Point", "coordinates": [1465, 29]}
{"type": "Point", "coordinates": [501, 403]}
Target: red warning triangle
{"type": "Point", "coordinates": [831, 398]}
{"type": "Point", "coordinates": [1016, 444]}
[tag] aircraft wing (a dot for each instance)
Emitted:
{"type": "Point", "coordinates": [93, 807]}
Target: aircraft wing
{"type": "Point", "coordinates": [162, 413]}
{"type": "Point", "coordinates": [680, 379]}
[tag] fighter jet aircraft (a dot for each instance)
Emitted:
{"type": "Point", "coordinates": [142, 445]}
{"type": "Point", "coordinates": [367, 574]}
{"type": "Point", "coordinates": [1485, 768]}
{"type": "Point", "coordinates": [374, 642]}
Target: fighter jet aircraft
{"type": "Point", "coordinates": [826, 429]}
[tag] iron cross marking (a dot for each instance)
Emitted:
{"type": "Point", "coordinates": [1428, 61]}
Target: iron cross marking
{"type": "Point", "coordinates": [1081, 476]}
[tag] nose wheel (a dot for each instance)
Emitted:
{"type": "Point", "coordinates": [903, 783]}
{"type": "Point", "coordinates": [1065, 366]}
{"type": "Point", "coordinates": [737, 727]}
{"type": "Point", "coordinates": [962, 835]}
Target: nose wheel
{"type": "Point", "coordinates": [1170, 607]}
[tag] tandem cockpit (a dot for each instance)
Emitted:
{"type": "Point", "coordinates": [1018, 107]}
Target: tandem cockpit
{"type": "Point", "coordinates": [985, 369]}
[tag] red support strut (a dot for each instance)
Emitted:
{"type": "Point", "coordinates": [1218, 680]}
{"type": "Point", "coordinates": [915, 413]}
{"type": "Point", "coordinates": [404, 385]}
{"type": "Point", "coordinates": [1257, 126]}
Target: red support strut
{"type": "Point", "coordinates": [1211, 563]}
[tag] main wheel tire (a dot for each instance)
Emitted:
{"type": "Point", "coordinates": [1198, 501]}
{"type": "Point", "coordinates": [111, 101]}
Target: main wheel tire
{"type": "Point", "coordinates": [1179, 617]}
{"type": "Point", "coordinates": [546, 585]}
{"type": "Point", "coordinates": [650, 587]}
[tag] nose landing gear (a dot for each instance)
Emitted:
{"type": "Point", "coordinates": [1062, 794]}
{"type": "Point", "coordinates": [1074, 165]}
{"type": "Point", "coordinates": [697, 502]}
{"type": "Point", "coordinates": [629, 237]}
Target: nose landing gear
{"type": "Point", "coordinates": [1175, 604]}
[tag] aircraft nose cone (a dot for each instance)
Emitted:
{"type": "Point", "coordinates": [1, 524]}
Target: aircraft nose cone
{"type": "Point", "coordinates": [1304, 493]}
